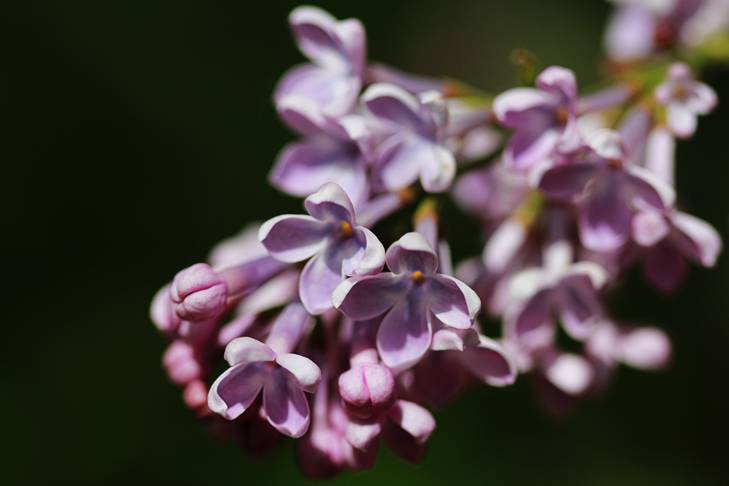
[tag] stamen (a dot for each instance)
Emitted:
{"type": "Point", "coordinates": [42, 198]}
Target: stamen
{"type": "Point", "coordinates": [561, 115]}
{"type": "Point", "coordinates": [614, 163]}
{"type": "Point", "coordinates": [346, 229]}
{"type": "Point", "coordinates": [417, 277]}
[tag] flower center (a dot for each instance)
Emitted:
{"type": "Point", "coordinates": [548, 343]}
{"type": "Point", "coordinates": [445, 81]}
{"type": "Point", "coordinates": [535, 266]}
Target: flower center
{"type": "Point", "coordinates": [680, 93]}
{"type": "Point", "coordinates": [418, 277]}
{"type": "Point", "coordinates": [561, 115]}
{"type": "Point", "coordinates": [346, 229]}
{"type": "Point", "coordinates": [614, 163]}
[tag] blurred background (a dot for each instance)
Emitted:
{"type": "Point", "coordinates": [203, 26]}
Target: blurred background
{"type": "Point", "coordinates": [136, 134]}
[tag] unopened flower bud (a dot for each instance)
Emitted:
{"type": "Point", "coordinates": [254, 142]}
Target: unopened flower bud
{"type": "Point", "coordinates": [366, 389]}
{"type": "Point", "coordinates": [199, 293]}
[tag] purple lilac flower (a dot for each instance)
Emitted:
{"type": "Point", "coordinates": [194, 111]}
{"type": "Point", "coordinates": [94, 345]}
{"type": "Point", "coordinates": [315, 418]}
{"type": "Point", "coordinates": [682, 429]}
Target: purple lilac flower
{"type": "Point", "coordinates": [333, 152]}
{"type": "Point", "coordinates": [684, 99]}
{"type": "Point", "coordinates": [559, 288]}
{"type": "Point", "coordinates": [670, 238]}
{"type": "Point", "coordinates": [639, 28]}
{"type": "Point", "coordinates": [413, 147]}
{"type": "Point", "coordinates": [543, 119]}
{"type": "Point", "coordinates": [405, 427]}
{"type": "Point", "coordinates": [645, 348]}
{"type": "Point", "coordinates": [272, 369]}
{"type": "Point", "coordinates": [412, 296]}
{"type": "Point", "coordinates": [330, 239]}
{"type": "Point", "coordinates": [456, 359]}
{"type": "Point", "coordinates": [330, 85]}
{"type": "Point", "coordinates": [605, 189]}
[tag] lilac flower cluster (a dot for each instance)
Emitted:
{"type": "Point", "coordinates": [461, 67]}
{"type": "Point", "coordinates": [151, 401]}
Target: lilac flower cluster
{"type": "Point", "coordinates": [335, 339]}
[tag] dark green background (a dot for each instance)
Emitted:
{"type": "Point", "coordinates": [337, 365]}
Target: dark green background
{"type": "Point", "coordinates": [136, 134]}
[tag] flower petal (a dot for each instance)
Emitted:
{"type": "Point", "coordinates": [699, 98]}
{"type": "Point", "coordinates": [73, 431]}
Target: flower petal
{"type": "Point", "coordinates": [453, 302]}
{"type": "Point", "coordinates": [245, 350]}
{"type": "Point", "coordinates": [438, 168]}
{"type": "Point", "coordinates": [308, 96]}
{"type": "Point", "coordinates": [363, 298]}
{"type": "Point", "coordinates": [489, 362]}
{"type": "Point", "coordinates": [579, 306]}
{"type": "Point", "coordinates": [530, 323]}
{"type": "Point", "coordinates": [405, 333]}
{"type": "Point", "coordinates": [326, 41]}
{"type": "Point", "coordinates": [556, 79]}
{"type": "Point", "coordinates": [302, 168]}
{"type": "Point", "coordinates": [565, 182]}
{"type": "Point", "coordinates": [305, 371]}
{"type": "Point", "coordinates": [413, 419]}
{"type": "Point", "coordinates": [411, 253]}
{"type": "Point", "coordinates": [701, 242]}
{"type": "Point", "coordinates": [532, 143]}
{"type": "Point", "coordinates": [373, 258]}
{"type": "Point", "coordinates": [319, 279]}
{"type": "Point", "coordinates": [664, 267]}
{"type": "Point", "coordinates": [681, 120]}
{"type": "Point", "coordinates": [649, 227]}
{"type": "Point", "coordinates": [293, 238]}
{"type": "Point", "coordinates": [394, 105]}
{"type": "Point", "coordinates": [330, 203]}
{"type": "Point", "coordinates": [604, 220]}
{"type": "Point", "coordinates": [235, 390]}
{"type": "Point", "coordinates": [645, 348]}
{"type": "Point", "coordinates": [285, 404]}
{"type": "Point", "coordinates": [514, 107]}
{"type": "Point", "coordinates": [569, 372]}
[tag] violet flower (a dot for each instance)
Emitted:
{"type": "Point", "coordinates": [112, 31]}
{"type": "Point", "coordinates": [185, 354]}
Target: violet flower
{"type": "Point", "coordinates": [684, 99]}
{"type": "Point", "coordinates": [644, 348]}
{"type": "Point", "coordinates": [412, 148]}
{"type": "Point", "coordinates": [330, 239]}
{"type": "Point", "coordinates": [334, 152]}
{"type": "Point", "coordinates": [543, 119]}
{"type": "Point", "coordinates": [639, 28]}
{"type": "Point", "coordinates": [330, 85]}
{"type": "Point", "coordinates": [272, 369]}
{"type": "Point", "coordinates": [669, 239]}
{"type": "Point", "coordinates": [605, 189]}
{"type": "Point", "coordinates": [405, 427]}
{"type": "Point", "coordinates": [412, 297]}
{"type": "Point", "coordinates": [567, 290]}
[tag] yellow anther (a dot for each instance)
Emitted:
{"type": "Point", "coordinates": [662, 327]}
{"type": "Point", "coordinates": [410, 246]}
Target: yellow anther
{"type": "Point", "coordinates": [417, 276]}
{"type": "Point", "coordinates": [561, 115]}
{"type": "Point", "coordinates": [346, 229]}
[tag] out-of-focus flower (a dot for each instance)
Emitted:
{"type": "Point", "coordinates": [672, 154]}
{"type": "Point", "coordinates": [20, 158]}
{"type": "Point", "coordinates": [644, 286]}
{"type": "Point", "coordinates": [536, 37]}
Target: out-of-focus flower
{"type": "Point", "coordinates": [330, 239]}
{"type": "Point", "coordinates": [684, 99]}
{"type": "Point", "coordinates": [668, 239]}
{"type": "Point", "coordinates": [413, 295]}
{"type": "Point", "coordinates": [542, 119]}
{"type": "Point", "coordinates": [559, 288]}
{"type": "Point", "coordinates": [330, 85]}
{"type": "Point", "coordinates": [412, 148]}
{"type": "Point", "coordinates": [605, 189]}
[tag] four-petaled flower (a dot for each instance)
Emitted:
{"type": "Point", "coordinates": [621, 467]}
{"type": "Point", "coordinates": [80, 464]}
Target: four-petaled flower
{"type": "Point", "coordinates": [330, 239]}
{"type": "Point", "coordinates": [684, 99]}
{"type": "Point", "coordinates": [543, 119]}
{"type": "Point", "coordinates": [283, 377]}
{"type": "Point", "coordinates": [413, 295]}
{"type": "Point", "coordinates": [605, 189]}
{"type": "Point", "coordinates": [412, 147]}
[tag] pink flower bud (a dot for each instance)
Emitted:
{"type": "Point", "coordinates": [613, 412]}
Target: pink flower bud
{"type": "Point", "coordinates": [199, 293]}
{"type": "Point", "coordinates": [366, 389]}
{"type": "Point", "coordinates": [181, 363]}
